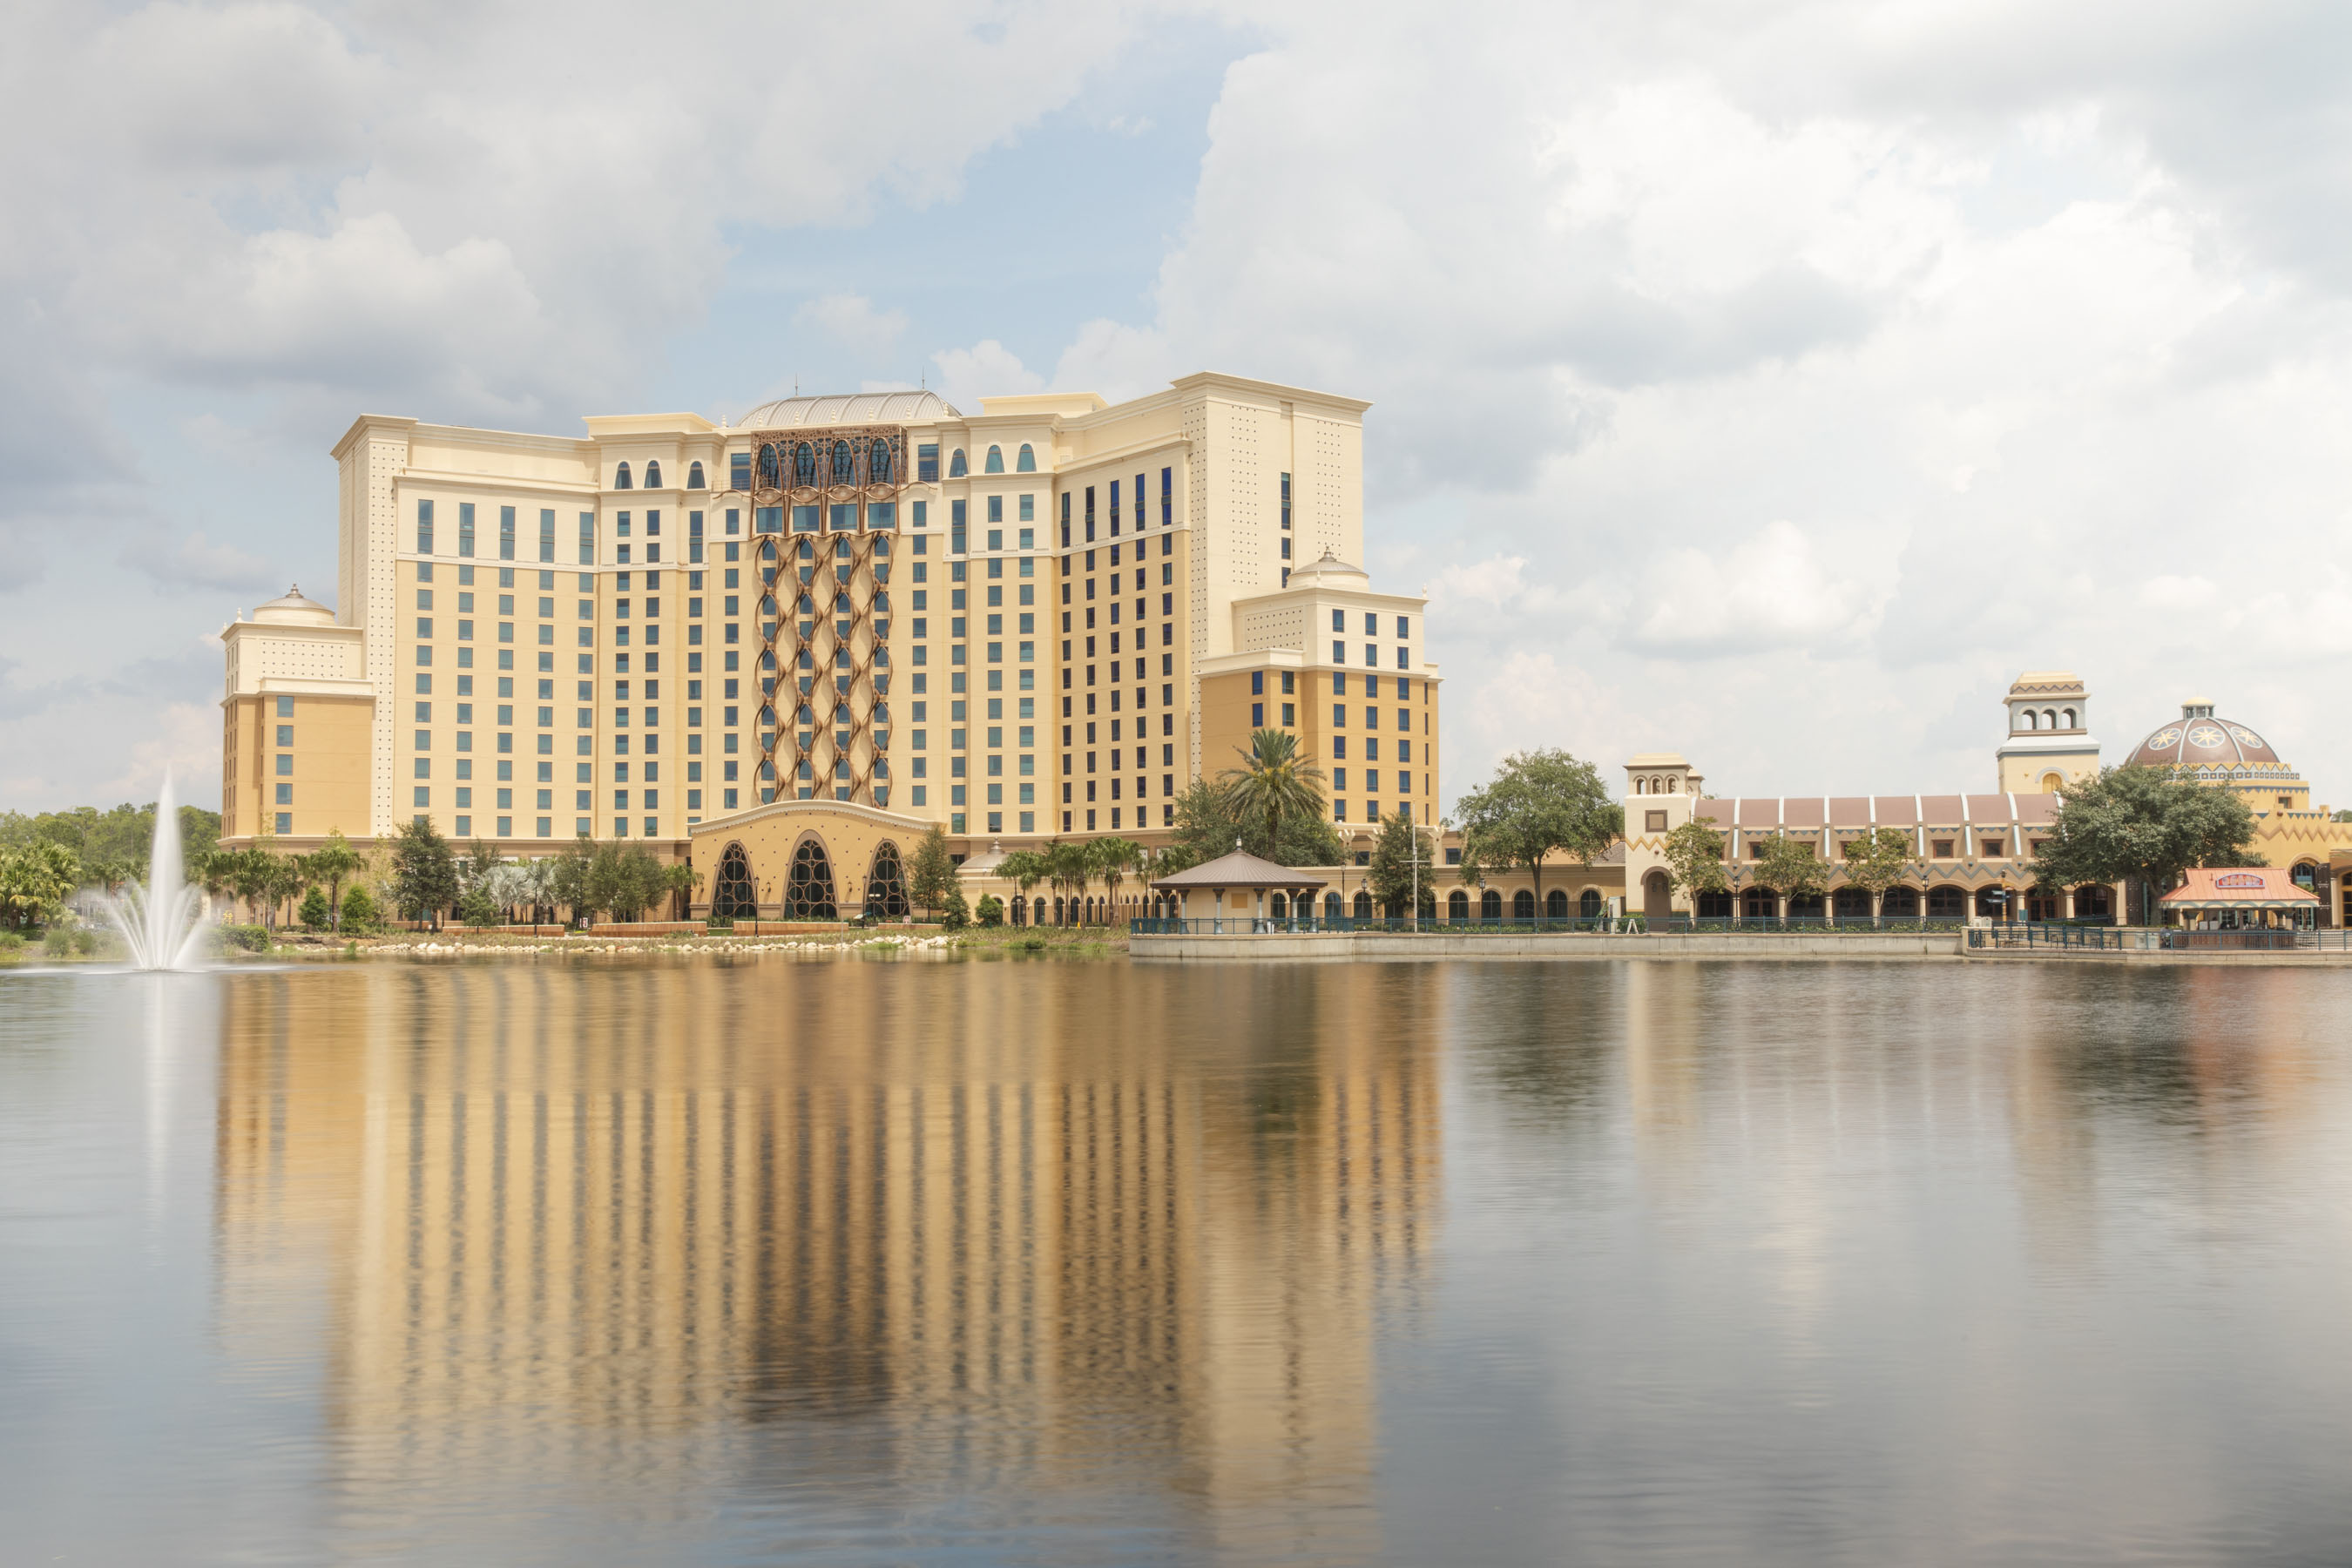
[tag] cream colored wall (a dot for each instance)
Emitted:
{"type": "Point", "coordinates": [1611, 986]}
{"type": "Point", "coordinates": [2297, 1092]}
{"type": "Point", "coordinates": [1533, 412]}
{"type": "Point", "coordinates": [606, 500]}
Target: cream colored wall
{"type": "Point", "coordinates": [2022, 773]}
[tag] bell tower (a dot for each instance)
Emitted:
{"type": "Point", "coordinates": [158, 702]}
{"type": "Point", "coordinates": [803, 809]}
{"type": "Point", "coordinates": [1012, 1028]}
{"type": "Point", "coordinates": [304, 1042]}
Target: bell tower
{"type": "Point", "coordinates": [2049, 742]}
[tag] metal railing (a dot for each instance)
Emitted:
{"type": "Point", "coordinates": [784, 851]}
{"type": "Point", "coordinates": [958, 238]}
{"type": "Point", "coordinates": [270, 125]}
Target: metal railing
{"type": "Point", "coordinates": [1604, 925]}
{"type": "Point", "coordinates": [2056, 936]}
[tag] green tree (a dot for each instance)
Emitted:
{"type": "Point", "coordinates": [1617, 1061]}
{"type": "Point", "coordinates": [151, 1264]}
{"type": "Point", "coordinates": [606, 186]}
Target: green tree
{"type": "Point", "coordinates": [356, 912]}
{"type": "Point", "coordinates": [1694, 857]}
{"type": "Point", "coordinates": [1067, 872]}
{"type": "Point", "coordinates": [990, 909]}
{"type": "Point", "coordinates": [1792, 867]}
{"type": "Point", "coordinates": [331, 863]}
{"type": "Point", "coordinates": [954, 913]}
{"type": "Point", "coordinates": [477, 906]}
{"type": "Point", "coordinates": [2140, 826]}
{"type": "Point", "coordinates": [423, 870]}
{"type": "Point", "coordinates": [1393, 874]}
{"type": "Point", "coordinates": [1274, 782]}
{"type": "Point", "coordinates": [1538, 801]}
{"type": "Point", "coordinates": [1025, 868]}
{"type": "Point", "coordinates": [35, 878]}
{"type": "Point", "coordinates": [932, 871]}
{"type": "Point", "coordinates": [316, 914]}
{"type": "Point", "coordinates": [568, 880]}
{"type": "Point", "coordinates": [1111, 859]}
{"type": "Point", "coordinates": [1207, 826]}
{"type": "Point", "coordinates": [1877, 860]}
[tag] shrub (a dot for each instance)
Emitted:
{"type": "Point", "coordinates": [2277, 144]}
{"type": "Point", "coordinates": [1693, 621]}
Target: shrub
{"type": "Point", "coordinates": [992, 910]}
{"type": "Point", "coordinates": [56, 941]}
{"type": "Point", "coordinates": [359, 909]}
{"type": "Point", "coordinates": [85, 941]}
{"type": "Point", "coordinates": [315, 914]}
{"type": "Point", "coordinates": [479, 908]}
{"type": "Point", "coordinates": [252, 939]}
{"type": "Point", "coordinates": [955, 914]}
{"type": "Point", "coordinates": [10, 942]}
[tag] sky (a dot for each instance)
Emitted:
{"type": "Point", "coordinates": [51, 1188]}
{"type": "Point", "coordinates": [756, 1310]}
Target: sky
{"type": "Point", "coordinates": [1769, 382]}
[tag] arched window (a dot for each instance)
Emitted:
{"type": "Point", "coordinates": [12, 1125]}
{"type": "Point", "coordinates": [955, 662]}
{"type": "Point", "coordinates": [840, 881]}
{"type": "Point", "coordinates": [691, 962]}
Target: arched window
{"type": "Point", "coordinates": [995, 464]}
{"type": "Point", "coordinates": [694, 476]}
{"type": "Point", "coordinates": [2032, 720]}
{"type": "Point", "coordinates": [1037, 912]}
{"type": "Point", "coordinates": [1278, 906]}
{"type": "Point", "coordinates": [771, 471]}
{"type": "Point", "coordinates": [1457, 905]}
{"type": "Point", "coordinates": [808, 895]}
{"type": "Point", "coordinates": [2307, 876]}
{"type": "Point", "coordinates": [1641, 786]}
{"type": "Point", "coordinates": [2070, 719]}
{"type": "Point", "coordinates": [732, 896]}
{"type": "Point", "coordinates": [653, 473]}
{"type": "Point", "coordinates": [1363, 906]}
{"type": "Point", "coordinates": [1759, 903]}
{"type": "Point", "coordinates": [621, 477]}
{"type": "Point", "coordinates": [1027, 462]}
{"type": "Point", "coordinates": [1587, 904]}
{"type": "Point", "coordinates": [1330, 906]}
{"type": "Point", "coordinates": [844, 464]}
{"type": "Point", "coordinates": [1556, 904]}
{"type": "Point", "coordinates": [1490, 905]}
{"type": "Point", "coordinates": [956, 469]}
{"type": "Point", "coordinates": [878, 463]}
{"type": "Point", "coordinates": [805, 467]}
{"type": "Point", "coordinates": [886, 883]}
{"type": "Point", "coordinates": [1947, 903]}
{"type": "Point", "coordinates": [1523, 905]}
{"type": "Point", "coordinates": [1673, 785]}
{"type": "Point", "coordinates": [1899, 903]}
{"type": "Point", "coordinates": [2050, 718]}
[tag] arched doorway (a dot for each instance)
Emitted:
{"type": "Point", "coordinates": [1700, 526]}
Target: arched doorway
{"type": "Point", "coordinates": [1523, 904]}
{"type": "Point", "coordinates": [1490, 905]}
{"type": "Point", "coordinates": [1807, 905]}
{"type": "Point", "coordinates": [1947, 903]}
{"type": "Point", "coordinates": [1716, 906]}
{"type": "Point", "coordinates": [1760, 904]}
{"type": "Point", "coordinates": [1657, 896]}
{"type": "Point", "coordinates": [1996, 903]}
{"type": "Point", "coordinates": [808, 894]}
{"type": "Point", "coordinates": [1556, 904]}
{"type": "Point", "coordinates": [1853, 903]}
{"type": "Point", "coordinates": [733, 896]}
{"type": "Point", "coordinates": [1363, 906]}
{"type": "Point", "coordinates": [2091, 902]}
{"type": "Point", "coordinates": [1457, 905]}
{"type": "Point", "coordinates": [2043, 903]}
{"type": "Point", "coordinates": [886, 884]}
{"type": "Point", "coordinates": [1899, 903]}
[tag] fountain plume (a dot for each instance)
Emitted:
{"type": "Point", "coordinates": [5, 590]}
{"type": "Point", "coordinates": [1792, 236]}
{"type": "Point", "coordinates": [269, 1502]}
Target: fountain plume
{"type": "Point", "coordinates": [160, 924]}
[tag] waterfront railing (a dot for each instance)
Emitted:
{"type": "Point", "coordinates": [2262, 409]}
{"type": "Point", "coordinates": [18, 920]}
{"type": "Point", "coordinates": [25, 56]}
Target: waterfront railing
{"type": "Point", "coordinates": [1623, 925]}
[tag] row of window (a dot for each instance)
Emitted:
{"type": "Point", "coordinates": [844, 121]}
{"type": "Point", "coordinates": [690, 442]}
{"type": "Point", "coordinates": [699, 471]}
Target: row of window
{"type": "Point", "coordinates": [653, 476]}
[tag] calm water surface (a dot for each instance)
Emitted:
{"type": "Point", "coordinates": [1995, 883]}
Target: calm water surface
{"type": "Point", "coordinates": [867, 1261]}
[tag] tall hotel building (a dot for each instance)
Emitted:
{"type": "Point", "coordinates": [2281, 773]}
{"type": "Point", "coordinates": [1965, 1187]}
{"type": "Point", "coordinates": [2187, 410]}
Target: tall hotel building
{"type": "Point", "coordinates": [1045, 619]}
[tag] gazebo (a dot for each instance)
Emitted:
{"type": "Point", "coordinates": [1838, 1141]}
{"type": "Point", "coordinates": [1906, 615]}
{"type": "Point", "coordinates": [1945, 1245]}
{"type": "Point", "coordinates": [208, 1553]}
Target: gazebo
{"type": "Point", "coordinates": [1240, 872]}
{"type": "Point", "coordinates": [2241, 897]}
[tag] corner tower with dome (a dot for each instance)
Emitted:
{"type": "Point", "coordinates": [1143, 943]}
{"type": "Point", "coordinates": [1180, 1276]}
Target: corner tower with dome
{"type": "Point", "coordinates": [834, 622]}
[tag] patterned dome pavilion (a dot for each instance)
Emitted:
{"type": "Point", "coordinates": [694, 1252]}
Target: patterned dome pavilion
{"type": "Point", "coordinates": [2204, 743]}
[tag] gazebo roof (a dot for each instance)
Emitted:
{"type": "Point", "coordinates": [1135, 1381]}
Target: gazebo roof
{"type": "Point", "coordinates": [1238, 870]}
{"type": "Point", "coordinates": [2241, 887]}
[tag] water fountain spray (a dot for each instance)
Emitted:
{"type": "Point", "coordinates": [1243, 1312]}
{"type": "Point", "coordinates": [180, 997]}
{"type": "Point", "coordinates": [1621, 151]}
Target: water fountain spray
{"type": "Point", "coordinates": [160, 924]}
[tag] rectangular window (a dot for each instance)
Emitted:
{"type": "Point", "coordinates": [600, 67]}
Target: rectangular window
{"type": "Point", "coordinates": [465, 528]}
{"type": "Point", "coordinates": [587, 539]}
{"type": "Point", "coordinates": [1940, 848]}
{"type": "Point", "coordinates": [425, 528]}
{"type": "Point", "coordinates": [1991, 847]}
{"type": "Point", "coordinates": [505, 533]}
{"type": "Point", "coordinates": [1257, 715]}
{"type": "Point", "coordinates": [1167, 497]}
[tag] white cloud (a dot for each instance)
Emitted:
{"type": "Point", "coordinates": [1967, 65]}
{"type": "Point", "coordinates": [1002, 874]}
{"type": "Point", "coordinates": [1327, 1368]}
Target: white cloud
{"type": "Point", "coordinates": [986, 369]}
{"type": "Point", "coordinates": [852, 319]}
{"type": "Point", "coordinates": [194, 559]}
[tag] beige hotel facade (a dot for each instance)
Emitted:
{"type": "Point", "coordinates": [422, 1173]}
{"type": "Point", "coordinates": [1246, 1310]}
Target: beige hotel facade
{"type": "Point", "coordinates": [1043, 620]}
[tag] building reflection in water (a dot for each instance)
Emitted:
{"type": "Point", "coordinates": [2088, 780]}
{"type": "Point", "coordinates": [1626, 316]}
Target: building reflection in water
{"type": "Point", "coordinates": [1051, 1228]}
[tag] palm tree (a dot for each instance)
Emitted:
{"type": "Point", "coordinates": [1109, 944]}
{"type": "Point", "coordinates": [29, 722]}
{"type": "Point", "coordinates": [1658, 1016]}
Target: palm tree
{"type": "Point", "coordinates": [1025, 868]}
{"type": "Point", "coordinates": [1067, 871]}
{"type": "Point", "coordinates": [1111, 859]}
{"type": "Point", "coordinates": [1273, 781]}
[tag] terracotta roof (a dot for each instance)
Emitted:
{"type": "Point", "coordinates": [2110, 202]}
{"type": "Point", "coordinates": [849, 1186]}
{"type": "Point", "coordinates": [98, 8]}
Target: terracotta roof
{"type": "Point", "coordinates": [1238, 870]}
{"type": "Point", "coordinates": [2239, 885]}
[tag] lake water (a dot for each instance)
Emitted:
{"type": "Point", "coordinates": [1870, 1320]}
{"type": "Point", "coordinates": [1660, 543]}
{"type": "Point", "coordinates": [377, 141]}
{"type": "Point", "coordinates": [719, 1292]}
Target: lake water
{"type": "Point", "coordinates": [862, 1261]}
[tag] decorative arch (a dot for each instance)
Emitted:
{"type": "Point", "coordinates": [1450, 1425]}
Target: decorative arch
{"type": "Point", "coordinates": [956, 468]}
{"type": "Point", "coordinates": [2051, 782]}
{"type": "Point", "coordinates": [803, 466]}
{"type": "Point", "coordinates": [1457, 905]}
{"type": "Point", "coordinates": [1025, 461]}
{"type": "Point", "coordinates": [2032, 720]}
{"type": "Point", "coordinates": [1556, 904]}
{"type": "Point", "coordinates": [1490, 905]}
{"type": "Point", "coordinates": [1899, 903]}
{"type": "Point", "coordinates": [1587, 904]}
{"type": "Point", "coordinates": [1947, 903]}
{"type": "Point", "coordinates": [1363, 906]}
{"type": "Point", "coordinates": [878, 463]}
{"type": "Point", "coordinates": [1641, 786]}
{"type": "Point", "coordinates": [733, 894]}
{"type": "Point", "coordinates": [621, 477]}
{"type": "Point", "coordinates": [886, 883]}
{"type": "Point", "coordinates": [808, 891]}
{"type": "Point", "coordinates": [772, 469]}
{"type": "Point", "coordinates": [2050, 718]}
{"type": "Point", "coordinates": [1523, 905]}
{"type": "Point", "coordinates": [995, 463]}
{"type": "Point", "coordinates": [694, 476]}
{"type": "Point", "coordinates": [2071, 724]}
{"type": "Point", "coordinates": [1759, 903]}
{"type": "Point", "coordinates": [653, 473]}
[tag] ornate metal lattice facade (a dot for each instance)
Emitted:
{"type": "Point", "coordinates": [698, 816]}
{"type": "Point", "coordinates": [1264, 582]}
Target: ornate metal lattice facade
{"type": "Point", "coordinates": [824, 510]}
